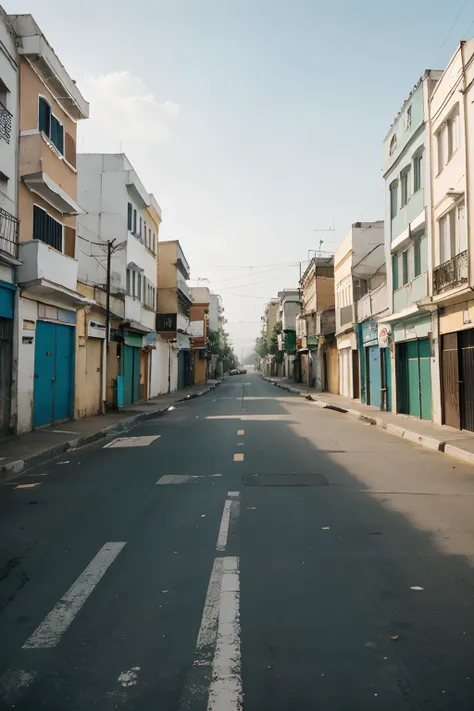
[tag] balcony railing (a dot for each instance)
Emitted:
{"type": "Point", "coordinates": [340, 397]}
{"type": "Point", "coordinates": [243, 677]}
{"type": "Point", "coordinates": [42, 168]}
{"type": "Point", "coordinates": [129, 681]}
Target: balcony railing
{"type": "Point", "coordinates": [451, 274]}
{"type": "Point", "coordinates": [8, 233]}
{"type": "Point", "coordinates": [5, 123]}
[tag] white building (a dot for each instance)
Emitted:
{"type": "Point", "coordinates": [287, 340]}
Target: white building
{"type": "Point", "coordinates": [358, 266]}
{"type": "Point", "coordinates": [9, 130]}
{"type": "Point", "coordinates": [120, 210]}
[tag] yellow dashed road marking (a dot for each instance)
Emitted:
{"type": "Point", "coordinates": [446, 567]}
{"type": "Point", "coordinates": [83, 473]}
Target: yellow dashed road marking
{"type": "Point", "coordinates": [240, 432]}
{"type": "Point", "coordinates": [238, 457]}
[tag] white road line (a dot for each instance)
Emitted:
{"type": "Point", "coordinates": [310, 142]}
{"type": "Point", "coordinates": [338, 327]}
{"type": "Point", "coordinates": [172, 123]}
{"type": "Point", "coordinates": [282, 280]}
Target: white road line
{"type": "Point", "coordinates": [131, 441]}
{"type": "Point", "coordinates": [234, 494]}
{"type": "Point", "coordinates": [13, 683]}
{"type": "Point", "coordinates": [225, 690]}
{"type": "Point", "coordinates": [208, 629]}
{"type": "Point", "coordinates": [63, 613]}
{"type": "Point", "coordinates": [224, 527]}
{"type": "Point", "coordinates": [129, 678]}
{"type": "Point", "coordinates": [173, 479]}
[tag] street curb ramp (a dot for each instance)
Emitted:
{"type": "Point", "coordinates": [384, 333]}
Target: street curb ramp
{"type": "Point", "coordinates": [11, 468]}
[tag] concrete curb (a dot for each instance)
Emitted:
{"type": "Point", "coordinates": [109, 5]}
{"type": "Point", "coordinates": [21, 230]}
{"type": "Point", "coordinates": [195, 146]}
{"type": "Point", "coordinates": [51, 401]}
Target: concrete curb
{"type": "Point", "coordinates": [432, 443]}
{"type": "Point", "coordinates": [17, 466]}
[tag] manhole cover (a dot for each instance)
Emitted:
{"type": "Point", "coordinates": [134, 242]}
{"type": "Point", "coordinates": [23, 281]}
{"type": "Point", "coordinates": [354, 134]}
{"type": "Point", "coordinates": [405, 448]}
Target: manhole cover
{"type": "Point", "coordinates": [285, 480]}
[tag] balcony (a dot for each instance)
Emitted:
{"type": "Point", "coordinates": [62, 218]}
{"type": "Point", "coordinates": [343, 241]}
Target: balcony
{"type": "Point", "coordinates": [8, 236]}
{"type": "Point", "coordinates": [451, 274]}
{"type": "Point", "coordinates": [183, 287]}
{"type": "Point", "coordinates": [46, 272]}
{"type": "Point", "coordinates": [411, 293]}
{"type": "Point", "coordinates": [372, 303]}
{"type": "Point", "coordinates": [45, 172]}
{"type": "Point", "coordinates": [5, 123]}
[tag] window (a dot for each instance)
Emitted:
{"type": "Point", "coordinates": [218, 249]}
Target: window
{"type": "Point", "coordinates": [128, 281]}
{"type": "Point", "coordinates": [440, 140]}
{"type": "Point", "coordinates": [50, 125]}
{"type": "Point", "coordinates": [393, 144]}
{"type": "Point", "coordinates": [150, 295]}
{"type": "Point", "coordinates": [134, 279]}
{"type": "Point", "coordinates": [154, 244]}
{"type": "Point", "coordinates": [405, 278]}
{"type": "Point", "coordinates": [452, 126]}
{"type": "Point", "coordinates": [135, 222]}
{"type": "Point", "coordinates": [417, 255]}
{"type": "Point", "coordinates": [145, 233]}
{"type": "Point", "coordinates": [452, 233]}
{"type": "Point", "coordinates": [393, 199]}
{"type": "Point", "coordinates": [47, 229]}
{"type": "Point", "coordinates": [140, 230]}
{"type": "Point", "coordinates": [404, 187]}
{"type": "Point", "coordinates": [129, 216]}
{"type": "Point", "coordinates": [408, 119]}
{"type": "Point", "coordinates": [138, 294]}
{"type": "Point", "coordinates": [417, 171]}
{"type": "Point", "coordinates": [395, 272]}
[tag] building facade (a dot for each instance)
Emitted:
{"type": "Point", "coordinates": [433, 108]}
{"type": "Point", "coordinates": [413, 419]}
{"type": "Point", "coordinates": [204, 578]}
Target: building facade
{"type": "Point", "coordinates": [172, 319]}
{"type": "Point", "coordinates": [50, 107]}
{"type": "Point", "coordinates": [408, 239]}
{"type": "Point", "coordinates": [9, 130]}
{"type": "Point", "coordinates": [313, 365]}
{"type": "Point", "coordinates": [290, 307]}
{"type": "Point", "coordinates": [359, 265]}
{"type": "Point", "coordinates": [120, 212]}
{"type": "Point", "coordinates": [374, 353]}
{"type": "Point", "coordinates": [198, 327]}
{"type": "Point", "coordinates": [216, 326]}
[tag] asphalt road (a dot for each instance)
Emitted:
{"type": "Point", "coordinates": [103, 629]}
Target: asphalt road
{"type": "Point", "coordinates": [289, 558]}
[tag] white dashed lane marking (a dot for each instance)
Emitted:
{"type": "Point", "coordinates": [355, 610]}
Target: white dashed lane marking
{"type": "Point", "coordinates": [58, 620]}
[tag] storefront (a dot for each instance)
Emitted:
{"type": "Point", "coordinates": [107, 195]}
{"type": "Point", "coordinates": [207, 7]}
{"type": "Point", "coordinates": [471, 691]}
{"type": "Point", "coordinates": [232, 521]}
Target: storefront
{"type": "Point", "coordinates": [348, 366]}
{"type": "Point", "coordinates": [413, 366]}
{"type": "Point", "coordinates": [375, 367]}
{"type": "Point", "coordinates": [7, 309]}
{"type": "Point", "coordinates": [457, 365]}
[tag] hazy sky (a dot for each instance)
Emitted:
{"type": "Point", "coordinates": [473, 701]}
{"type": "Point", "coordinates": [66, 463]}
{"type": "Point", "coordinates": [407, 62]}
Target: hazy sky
{"type": "Point", "coordinates": [253, 122]}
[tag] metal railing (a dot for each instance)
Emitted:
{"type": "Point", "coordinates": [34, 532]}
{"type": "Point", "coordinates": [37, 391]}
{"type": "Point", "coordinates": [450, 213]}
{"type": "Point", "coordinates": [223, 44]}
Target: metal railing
{"type": "Point", "coordinates": [5, 123]}
{"type": "Point", "coordinates": [9, 228]}
{"type": "Point", "coordinates": [450, 274]}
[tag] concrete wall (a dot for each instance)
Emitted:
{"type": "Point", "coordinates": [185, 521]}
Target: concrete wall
{"type": "Point", "coordinates": [167, 277]}
{"type": "Point", "coordinates": [9, 74]}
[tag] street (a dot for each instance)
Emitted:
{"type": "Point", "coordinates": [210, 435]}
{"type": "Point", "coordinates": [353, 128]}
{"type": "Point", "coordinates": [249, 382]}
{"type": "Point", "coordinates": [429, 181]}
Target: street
{"type": "Point", "coordinates": [253, 552]}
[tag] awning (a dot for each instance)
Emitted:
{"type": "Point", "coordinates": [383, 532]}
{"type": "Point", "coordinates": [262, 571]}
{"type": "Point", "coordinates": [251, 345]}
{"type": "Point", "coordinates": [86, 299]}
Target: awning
{"type": "Point", "coordinates": [41, 184]}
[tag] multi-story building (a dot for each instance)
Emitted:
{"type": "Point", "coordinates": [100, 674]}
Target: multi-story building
{"type": "Point", "coordinates": [408, 239]}
{"type": "Point", "coordinates": [172, 319]}
{"type": "Point", "coordinates": [216, 326]}
{"type": "Point", "coordinates": [50, 107]}
{"type": "Point", "coordinates": [316, 356]}
{"type": "Point", "coordinates": [198, 326]}
{"type": "Point", "coordinates": [372, 341]}
{"type": "Point", "coordinates": [270, 319]}
{"type": "Point", "coordinates": [9, 129]}
{"type": "Point", "coordinates": [452, 226]}
{"type": "Point", "coordinates": [359, 265]}
{"type": "Point", "coordinates": [120, 212]}
{"type": "Point", "coordinates": [290, 307]}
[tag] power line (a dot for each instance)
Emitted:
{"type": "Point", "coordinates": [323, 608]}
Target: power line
{"type": "Point", "coordinates": [253, 283]}
{"type": "Point", "coordinates": [450, 30]}
{"type": "Point", "coordinates": [244, 266]}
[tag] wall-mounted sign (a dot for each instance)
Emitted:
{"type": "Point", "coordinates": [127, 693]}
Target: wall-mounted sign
{"type": "Point", "coordinates": [95, 329]}
{"type": "Point", "coordinates": [384, 334]}
{"type": "Point", "coordinates": [166, 322]}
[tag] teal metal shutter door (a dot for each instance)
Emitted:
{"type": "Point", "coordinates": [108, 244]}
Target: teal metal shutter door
{"type": "Point", "coordinates": [64, 373]}
{"type": "Point", "coordinates": [425, 378]}
{"type": "Point", "coordinates": [44, 373]}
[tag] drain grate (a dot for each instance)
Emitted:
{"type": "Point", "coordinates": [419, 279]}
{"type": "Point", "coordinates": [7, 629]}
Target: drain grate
{"type": "Point", "coordinates": [285, 480]}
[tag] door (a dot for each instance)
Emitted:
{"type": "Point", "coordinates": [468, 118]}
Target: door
{"type": "Point", "coordinates": [413, 379]}
{"type": "Point", "coordinates": [6, 348]}
{"type": "Point", "coordinates": [424, 355]}
{"type": "Point", "coordinates": [450, 383]}
{"type": "Point", "coordinates": [53, 393]}
{"type": "Point", "coordinates": [181, 369]}
{"type": "Point", "coordinates": [131, 374]}
{"type": "Point", "coordinates": [375, 379]}
{"type": "Point", "coordinates": [388, 379]}
{"type": "Point", "coordinates": [466, 346]}
{"type": "Point", "coordinates": [355, 374]}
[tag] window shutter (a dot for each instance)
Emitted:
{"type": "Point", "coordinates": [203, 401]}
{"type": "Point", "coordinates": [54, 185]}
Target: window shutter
{"type": "Point", "coordinates": [69, 241]}
{"type": "Point", "coordinates": [57, 134]}
{"type": "Point", "coordinates": [129, 216]}
{"type": "Point", "coordinates": [395, 271]}
{"type": "Point", "coordinates": [70, 149]}
{"type": "Point", "coordinates": [44, 116]}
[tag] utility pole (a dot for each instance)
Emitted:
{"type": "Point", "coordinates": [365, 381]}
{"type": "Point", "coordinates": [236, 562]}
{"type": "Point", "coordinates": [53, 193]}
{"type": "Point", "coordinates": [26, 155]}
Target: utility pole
{"type": "Point", "coordinates": [110, 246]}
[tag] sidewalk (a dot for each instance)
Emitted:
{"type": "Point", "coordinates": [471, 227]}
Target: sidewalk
{"type": "Point", "coordinates": [441, 438]}
{"type": "Point", "coordinates": [20, 451]}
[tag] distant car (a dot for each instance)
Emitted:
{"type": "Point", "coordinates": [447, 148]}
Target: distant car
{"type": "Point", "coordinates": [234, 371]}
{"type": "Point", "coordinates": [243, 371]}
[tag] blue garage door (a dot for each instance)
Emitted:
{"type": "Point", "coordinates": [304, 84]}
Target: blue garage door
{"type": "Point", "coordinates": [375, 376]}
{"type": "Point", "coordinates": [53, 394]}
